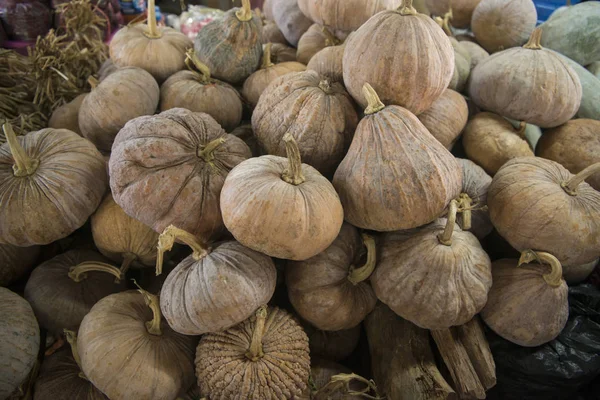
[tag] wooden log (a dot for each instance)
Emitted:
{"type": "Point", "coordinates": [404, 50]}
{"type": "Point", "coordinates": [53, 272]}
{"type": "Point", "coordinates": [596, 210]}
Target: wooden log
{"type": "Point", "coordinates": [471, 335]}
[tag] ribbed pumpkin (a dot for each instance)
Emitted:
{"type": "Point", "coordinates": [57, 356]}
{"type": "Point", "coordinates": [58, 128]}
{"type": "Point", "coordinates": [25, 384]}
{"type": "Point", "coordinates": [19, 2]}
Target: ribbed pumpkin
{"type": "Point", "coordinates": [329, 63]}
{"type": "Point", "coordinates": [316, 38]}
{"type": "Point", "coordinates": [16, 261]}
{"type": "Point", "coordinates": [344, 15]}
{"type": "Point", "coordinates": [476, 184]}
{"type": "Point", "coordinates": [396, 175]}
{"type": "Point", "coordinates": [107, 68]}
{"type": "Point", "coordinates": [67, 116]}
{"type": "Point", "coordinates": [332, 345]}
{"type": "Point", "coordinates": [290, 20]}
{"type": "Point", "coordinates": [389, 52]}
{"type": "Point", "coordinates": [462, 10]}
{"type": "Point", "coordinates": [446, 118]}
{"type": "Point", "coordinates": [281, 53]}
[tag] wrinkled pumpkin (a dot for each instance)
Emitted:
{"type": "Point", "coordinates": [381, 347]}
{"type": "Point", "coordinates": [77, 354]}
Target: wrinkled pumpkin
{"type": "Point", "coordinates": [315, 39]}
{"type": "Point", "coordinates": [67, 116]}
{"type": "Point", "coordinates": [290, 20]}
{"type": "Point", "coordinates": [16, 261]}
{"type": "Point", "coordinates": [446, 118]}
{"type": "Point", "coordinates": [344, 15]}
{"type": "Point", "coordinates": [476, 183]}
{"type": "Point", "coordinates": [329, 63]}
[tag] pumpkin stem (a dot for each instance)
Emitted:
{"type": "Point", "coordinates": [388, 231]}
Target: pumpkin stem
{"type": "Point", "coordinates": [445, 237]}
{"type": "Point", "coordinates": [444, 22]}
{"type": "Point", "coordinates": [192, 61]}
{"type": "Point", "coordinates": [534, 40]}
{"type": "Point", "coordinates": [79, 272]}
{"type": "Point", "coordinates": [207, 152]}
{"type": "Point", "coordinates": [128, 259]}
{"type": "Point", "coordinates": [244, 14]}
{"type": "Point", "coordinates": [406, 8]}
{"type": "Point", "coordinates": [554, 278]}
{"type": "Point", "coordinates": [152, 32]}
{"type": "Point", "coordinates": [255, 351]}
{"type": "Point", "coordinates": [72, 339]}
{"type": "Point", "coordinates": [151, 301]}
{"type": "Point", "coordinates": [571, 185]}
{"type": "Point", "coordinates": [360, 274]}
{"type": "Point", "coordinates": [93, 82]}
{"type": "Point", "coordinates": [465, 205]}
{"type": "Point", "coordinates": [266, 59]}
{"type": "Point", "coordinates": [374, 104]}
{"type": "Point", "coordinates": [340, 384]}
{"type": "Point", "coordinates": [330, 39]}
{"type": "Point", "coordinates": [24, 165]}
{"type": "Point", "coordinates": [167, 239]}
{"type": "Point", "coordinates": [293, 173]}
{"type": "Point", "coordinates": [325, 86]}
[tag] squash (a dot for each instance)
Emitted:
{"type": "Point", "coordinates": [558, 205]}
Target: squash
{"type": "Point", "coordinates": [332, 345]}
{"type": "Point", "coordinates": [344, 15]}
{"type": "Point", "coordinates": [63, 289]}
{"type": "Point", "coordinates": [594, 68]}
{"type": "Point", "coordinates": [316, 38]}
{"type": "Point", "coordinates": [290, 20]}
{"type": "Point", "coordinates": [446, 118]}
{"type": "Point", "coordinates": [158, 50]}
{"type": "Point", "coordinates": [67, 115]}
{"type": "Point", "coordinates": [590, 90]}
{"type": "Point", "coordinates": [169, 169]}
{"type": "Point", "coordinates": [246, 133]}
{"type": "Point", "coordinates": [490, 141]}
{"type": "Point", "coordinates": [281, 53]}
{"type": "Point", "coordinates": [272, 34]}
{"type": "Point", "coordinates": [579, 273]}
{"type": "Point", "coordinates": [396, 175]}
{"type": "Point", "coordinates": [476, 52]}
{"type": "Point", "coordinates": [231, 46]}
{"type": "Point", "coordinates": [52, 181]}
{"type": "Point", "coordinates": [107, 68]}
{"type": "Point", "coordinates": [19, 341]}
{"type": "Point", "coordinates": [330, 290]}
{"type": "Point", "coordinates": [267, 9]}
{"type": "Point", "coordinates": [281, 207]}
{"type": "Point", "coordinates": [462, 10]}
{"type": "Point", "coordinates": [537, 204]}
{"type": "Point", "coordinates": [476, 183]}
{"type": "Point", "coordinates": [256, 83]}
{"type": "Point", "coordinates": [319, 114]}
{"type": "Point", "coordinates": [501, 24]}
{"type": "Point", "coordinates": [15, 262]}
{"type": "Point", "coordinates": [124, 95]}
{"type": "Point", "coordinates": [198, 92]}
{"type": "Point", "coordinates": [405, 42]}
{"type": "Point", "coordinates": [264, 357]}
{"type": "Point", "coordinates": [329, 63]}
{"type": "Point", "coordinates": [436, 276]}
{"type": "Point", "coordinates": [128, 352]}
{"type": "Point", "coordinates": [527, 304]}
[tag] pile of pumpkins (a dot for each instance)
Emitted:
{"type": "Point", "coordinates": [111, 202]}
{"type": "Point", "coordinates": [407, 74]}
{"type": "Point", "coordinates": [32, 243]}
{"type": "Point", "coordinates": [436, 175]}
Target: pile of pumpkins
{"type": "Point", "coordinates": [307, 147]}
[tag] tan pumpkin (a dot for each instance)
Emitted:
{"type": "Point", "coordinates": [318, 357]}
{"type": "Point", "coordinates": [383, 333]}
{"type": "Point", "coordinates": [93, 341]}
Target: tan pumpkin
{"type": "Point", "coordinates": [319, 114]}
{"type": "Point", "coordinates": [579, 273]}
{"type": "Point", "coordinates": [125, 94]}
{"type": "Point", "coordinates": [332, 345]}
{"type": "Point", "coordinates": [107, 68]}
{"type": "Point", "coordinates": [246, 133]}
{"type": "Point", "coordinates": [462, 70]}
{"type": "Point", "coordinates": [344, 15]}
{"type": "Point", "coordinates": [281, 53]}
{"type": "Point", "coordinates": [290, 20]}
{"type": "Point", "coordinates": [527, 304]}
{"type": "Point", "coordinates": [15, 262]}
{"type": "Point", "coordinates": [159, 50]}
{"type": "Point", "coordinates": [476, 183]}
{"type": "Point", "coordinates": [329, 63]}
{"type": "Point", "coordinates": [315, 39]}
{"type": "Point", "coordinates": [281, 207]}
{"type": "Point", "coordinates": [272, 34]}
{"type": "Point", "coordinates": [267, 9]}
{"type": "Point", "coordinates": [476, 52]}
{"type": "Point", "coordinates": [462, 10]}
{"type": "Point", "coordinates": [67, 116]}
{"type": "Point", "coordinates": [396, 175]}
{"type": "Point", "coordinates": [405, 41]}
{"type": "Point", "coordinates": [446, 118]}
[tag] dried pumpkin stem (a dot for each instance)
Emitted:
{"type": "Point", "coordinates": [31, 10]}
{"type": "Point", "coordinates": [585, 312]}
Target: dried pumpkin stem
{"type": "Point", "coordinates": [72, 339]}
{"type": "Point", "coordinates": [293, 173]}
{"type": "Point", "coordinates": [340, 385]}
{"type": "Point", "coordinates": [128, 259]}
{"type": "Point", "coordinates": [360, 274]}
{"type": "Point", "coordinates": [445, 237]}
{"type": "Point", "coordinates": [374, 104]}
{"type": "Point", "coordinates": [444, 22]}
{"type": "Point", "coordinates": [152, 32]}
{"type": "Point", "coordinates": [266, 59]}
{"type": "Point", "coordinates": [571, 185]}
{"type": "Point", "coordinates": [330, 39]}
{"type": "Point", "coordinates": [207, 153]}
{"type": "Point", "coordinates": [151, 301]}
{"type": "Point", "coordinates": [534, 40]}
{"type": "Point", "coordinates": [255, 351]}
{"type": "Point", "coordinates": [192, 61]}
{"type": "Point", "coordinates": [93, 82]}
{"type": "Point", "coordinates": [465, 205]}
{"type": "Point", "coordinates": [521, 130]}
{"type": "Point", "coordinates": [24, 165]}
{"type": "Point", "coordinates": [406, 8]}
{"type": "Point", "coordinates": [79, 272]}
{"type": "Point", "coordinates": [167, 239]}
{"type": "Point", "coordinates": [554, 278]}
{"type": "Point", "coordinates": [325, 86]}
{"type": "Point", "coordinates": [245, 13]}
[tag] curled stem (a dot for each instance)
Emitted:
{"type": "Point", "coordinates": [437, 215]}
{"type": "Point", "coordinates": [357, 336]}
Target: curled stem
{"type": "Point", "coordinates": [445, 237]}
{"type": "Point", "coordinates": [244, 14]}
{"type": "Point", "coordinates": [193, 64]}
{"type": "Point", "coordinates": [207, 152]}
{"type": "Point", "coordinates": [72, 339]}
{"type": "Point", "coordinates": [571, 185]}
{"type": "Point", "coordinates": [534, 40]}
{"type": "Point", "coordinates": [152, 32]}
{"type": "Point", "coordinates": [406, 8]}
{"type": "Point", "coordinates": [360, 274]}
{"type": "Point", "coordinates": [266, 59]}
{"type": "Point", "coordinates": [293, 173]}
{"type": "Point", "coordinates": [465, 205]}
{"type": "Point", "coordinates": [151, 301]}
{"type": "Point", "coordinates": [24, 165]}
{"type": "Point", "coordinates": [374, 104]}
{"type": "Point", "coordinates": [255, 351]}
{"type": "Point", "coordinates": [554, 278]}
{"type": "Point", "coordinates": [340, 385]}
{"type": "Point", "coordinates": [167, 239]}
{"type": "Point", "coordinates": [93, 82]}
{"type": "Point", "coordinates": [79, 272]}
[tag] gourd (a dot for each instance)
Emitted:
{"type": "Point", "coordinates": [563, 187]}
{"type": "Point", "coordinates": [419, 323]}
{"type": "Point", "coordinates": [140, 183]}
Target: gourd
{"type": "Point", "coordinates": [579, 273]}
{"type": "Point", "coordinates": [319, 114]}
{"type": "Point", "coordinates": [53, 180]}
{"type": "Point", "coordinates": [198, 92]}
{"type": "Point", "coordinates": [62, 290]}
{"type": "Point", "coordinates": [264, 357]}
{"type": "Point", "coordinates": [392, 149]}
{"type": "Point", "coordinates": [281, 53]}
{"type": "Point", "coordinates": [290, 20]}
{"type": "Point", "coordinates": [590, 90]}
{"type": "Point", "coordinates": [344, 15]}
{"type": "Point", "coordinates": [281, 207]}
{"type": "Point", "coordinates": [501, 24]}
{"type": "Point", "coordinates": [527, 304]}
{"type": "Point", "coordinates": [169, 169]}
{"type": "Point", "coordinates": [558, 212]}
{"type": "Point", "coordinates": [490, 141]}
{"type": "Point", "coordinates": [19, 341]}
{"type": "Point", "coordinates": [270, 31]}
{"type": "Point", "coordinates": [128, 352]}
{"type": "Point", "coordinates": [575, 145]}
{"type": "Point", "coordinates": [446, 118]}
{"type": "Point", "coordinates": [476, 52]}
{"type": "Point", "coordinates": [125, 94]}
{"type": "Point", "coordinates": [330, 290]}
{"type": "Point", "coordinates": [245, 133]}
{"type": "Point", "coordinates": [256, 83]}
{"type": "Point", "coordinates": [67, 116]}
{"type": "Point", "coordinates": [107, 68]}
{"type": "Point", "coordinates": [406, 40]}
{"type": "Point", "coordinates": [329, 63]}
{"type": "Point", "coordinates": [594, 68]}
{"type": "Point", "coordinates": [462, 10]}
{"type": "Point", "coordinates": [476, 183]}
{"type": "Point", "coordinates": [462, 70]}
{"type": "Point", "coordinates": [214, 288]}
{"type": "Point", "coordinates": [332, 345]}
{"type": "Point", "coordinates": [158, 50]}
{"type": "Point", "coordinates": [231, 46]}
{"type": "Point", "coordinates": [267, 9]}
{"type": "Point", "coordinates": [316, 38]}
{"type": "Point", "coordinates": [15, 262]}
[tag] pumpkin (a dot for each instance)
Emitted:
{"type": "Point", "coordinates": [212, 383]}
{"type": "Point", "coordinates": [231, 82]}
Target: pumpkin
{"type": "Point", "coordinates": [107, 68]}
{"type": "Point", "coordinates": [67, 116]}
{"type": "Point", "coordinates": [396, 175]}
{"type": "Point", "coordinates": [19, 341]}
{"type": "Point", "coordinates": [281, 53]}
{"type": "Point", "coordinates": [490, 141]}
{"type": "Point", "coordinates": [507, 83]}
{"type": "Point", "coordinates": [501, 24]}
{"type": "Point", "coordinates": [63, 289]}
{"type": "Point", "coordinates": [462, 10]}
{"type": "Point", "coordinates": [256, 83]}
{"type": "Point", "coordinates": [272, 34]}
{"type": "Point", "coordinates": [246, 133]}
{"type": "Point", "coordinates": [436, 276]}
{"type": "Point", "coordinates": [476, 183]}
{"type": "Point", "coordinates": [16, 261]}
{"type": "Point", "coordinates": [344, 15]}
{"type": "Point", "coordinates": [52, 181]}
{"type": "Point", "coordinates": [476, 52]}
{"type": "Point", "coordinates": [214, 288]}
{"type": "Point", "coordinates": [290, 20]}
{"type": "Point", "coordinates": [316, 38]}
{"type": "Point", "coordinates": [124, 95]}
{"type": "Point", "coordinates": [281, 207]}
{"type": "Point", "coordinates": [330, 290]}
{"type": "Point", "coordinates": [446, 118]}
{"type": "Point", "coordinates": [319, 114]}
{"type": "Point", "coordinates": [267, 9]}
{"type": "Point", "coordinates": [198, 92]}
{"type": "Point", "coordinates": [264, 357]}
{"type": "Point", "coordinates": [231, 46]}
{"type": "Point", "coordinates": [579, 273]}
{"type": "Point", "coordinates": [128, 352]}
{"type": "Point", "coordinates": [462, 70]}
{"type": "Point", "coordinates": [527, 304]}
{"type": "Point", "coordinates": [537, 204]}
{"type": "Point", "coordinates": [575, 145]}
{"type": "Point", "coordinates": [329, 63]}
{"type": "Point", "coordinates": [158, 50]}
{"type": "Point", "coordinates": [169, 169]}
{"type": "Point", "coordinates": [332, 345]}
{"type": "Point", "coordinates": [594, 68]}
{"type": "Point", "coordinates": [590, 90]}
{"type": "Point", "coordinates": [405, 41]}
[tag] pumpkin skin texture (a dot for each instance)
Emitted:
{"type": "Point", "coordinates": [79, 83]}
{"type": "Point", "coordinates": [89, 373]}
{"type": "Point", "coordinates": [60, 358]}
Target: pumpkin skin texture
{"type": "Point", "coordinates": [329, 63]}
{"type": "Point", "coordinates": [290, 20]}
{"type": "Point", "coordinates": [462, 70]}
{"type": "Point", "coordinates": [58, 196]}
{"type": "Point", "coordinates": [272, 34]}
{"type": "Point", "coordinates": [321, 289]}
{"type": "Point", "coordinates": [107, 68]}
{"type": "Point", "coordinates": [316, 38]}
{"type": "Point", "coordinates": [16, 261]}
{"type": "Point", "coordinates": [124, 95]}
{"type": "Point", "coordinates": [160, 176]}
{"type": "Point", "coordinates": [332, 345]}
{"type": "Point", "coordinates": [590, 90]}
{"type": "Point", "coordinates": [281, 53]}
{"type": "Point", "coordinates": [446, 118]}
{"type": "Point", "coordinates": [462, 10]}
{"type": "Point", "coordinates": [319, 114]}
{"type": "Point", "coordinates": [476, 52]}
{"type": "Point", "coordinates": [544, 216]}
{"type": "Point", "coordinates": [67, 116]}
{"type": "Point", "coordinates": [395, 67]}
{"type": "Point", "coordinates": [501, 24]}
{"type": "Point", "coordinates": [476, 183]}
{"type": "Point", "coordinates": [594, 68]}
{"type": "Point", "coordinates": [579, 273]}
{"type": "Point", "coordinates": [281, 373]}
